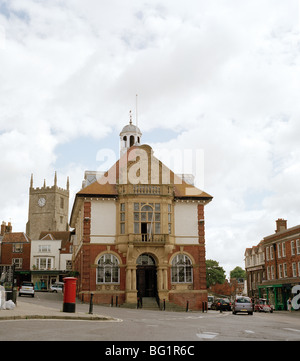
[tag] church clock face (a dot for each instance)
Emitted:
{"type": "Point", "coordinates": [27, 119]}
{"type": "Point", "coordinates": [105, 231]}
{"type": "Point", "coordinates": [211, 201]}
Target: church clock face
{"type": "Point", "coordinates": [41, 202]}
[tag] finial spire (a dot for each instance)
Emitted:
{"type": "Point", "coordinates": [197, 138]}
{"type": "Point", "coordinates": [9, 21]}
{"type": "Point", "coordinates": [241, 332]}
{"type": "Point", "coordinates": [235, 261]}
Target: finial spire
{"type": "Point", "coordinates": [31, 181]}
{"type": "Point", "coordinates": [55, 179]}
{"type": "Point", "coordinates": [130, 117]}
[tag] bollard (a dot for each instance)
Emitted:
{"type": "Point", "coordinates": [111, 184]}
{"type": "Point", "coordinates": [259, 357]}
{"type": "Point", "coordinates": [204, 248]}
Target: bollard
{"type": "Point", "coordinates": [164, 306]}
{"type": "Point", "coordinates": [116, 301]}
{"type": "Point", "coordinates": [112, 301]}
{"type": "Point", "coordinates": [91, 304]}
{"type": "Point", "coordinates": [187, 306]}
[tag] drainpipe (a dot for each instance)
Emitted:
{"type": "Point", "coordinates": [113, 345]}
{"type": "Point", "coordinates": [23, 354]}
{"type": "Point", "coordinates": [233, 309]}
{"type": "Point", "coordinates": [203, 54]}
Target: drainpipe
{"type": "Point", "coordinates": [276, 274]}
{"type": "Point", "coordinates": [275, 259]}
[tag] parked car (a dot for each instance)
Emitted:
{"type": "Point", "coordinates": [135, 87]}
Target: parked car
{"type": "Point", "coordinates": [27, 288]}
{"type": "Point", "coordinates": [57, 287]}
{"type": "Point", "coordinates": [221, 304]}
{"type": "Point", "coordinates": [262, 305]}
{"type": "Point", "coordinates": [242, 304]}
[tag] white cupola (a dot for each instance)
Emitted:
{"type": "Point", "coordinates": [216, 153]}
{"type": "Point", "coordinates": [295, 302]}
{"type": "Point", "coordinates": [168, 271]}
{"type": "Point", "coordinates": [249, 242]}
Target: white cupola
{"type": "Point", "coordinates": [129, 136]}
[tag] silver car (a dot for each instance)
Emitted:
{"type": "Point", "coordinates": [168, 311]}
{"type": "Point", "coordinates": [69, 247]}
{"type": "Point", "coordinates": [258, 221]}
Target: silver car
{"type": "Point", "coordinates": [27, 288]}
{"type": "Point", "coordinates": [242, 304]}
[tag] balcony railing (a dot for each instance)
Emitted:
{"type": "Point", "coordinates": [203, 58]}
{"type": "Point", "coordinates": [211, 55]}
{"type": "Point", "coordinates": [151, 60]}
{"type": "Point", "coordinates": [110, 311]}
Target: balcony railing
{"type": "Point", "coordinates": [147, 239]}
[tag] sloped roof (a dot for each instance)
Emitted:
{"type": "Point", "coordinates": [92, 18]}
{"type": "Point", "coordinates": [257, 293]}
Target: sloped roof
{"type": "Point", "coordinates": [107, 184]}
{"type": "Point", "coordinates": [63, 236]}
{"type": "Point", "coordinates": [16, 237]}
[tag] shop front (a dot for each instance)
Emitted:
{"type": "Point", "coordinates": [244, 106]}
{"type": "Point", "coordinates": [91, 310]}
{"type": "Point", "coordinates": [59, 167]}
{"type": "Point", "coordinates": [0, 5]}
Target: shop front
{"type": "Point", "coordinates": [43, 280]}
{"type": "Point", "coordinates": [276, 294]}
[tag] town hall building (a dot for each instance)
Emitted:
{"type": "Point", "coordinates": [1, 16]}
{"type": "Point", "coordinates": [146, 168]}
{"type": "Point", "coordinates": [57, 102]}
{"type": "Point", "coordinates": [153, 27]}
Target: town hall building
{"type": "Point", "coordinates": [139, 231]}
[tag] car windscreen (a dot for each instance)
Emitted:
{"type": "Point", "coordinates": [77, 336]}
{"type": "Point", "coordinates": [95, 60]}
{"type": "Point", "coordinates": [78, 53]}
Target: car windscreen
{"type": "Point", "coordinates": [243, 300]}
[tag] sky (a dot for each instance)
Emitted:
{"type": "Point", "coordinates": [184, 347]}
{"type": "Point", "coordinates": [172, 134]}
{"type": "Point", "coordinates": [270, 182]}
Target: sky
{"type": "Point", "coordinates": [217, 77]}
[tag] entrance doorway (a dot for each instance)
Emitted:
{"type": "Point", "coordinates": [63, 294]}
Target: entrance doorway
{"type": "Point", "coordinates": [146, 279]}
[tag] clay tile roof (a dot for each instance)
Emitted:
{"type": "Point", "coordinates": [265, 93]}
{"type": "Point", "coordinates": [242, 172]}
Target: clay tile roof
{"type": "Point", "coordinates": [107, 184]}
{"type": "Point", "coordinates": [15, 237]}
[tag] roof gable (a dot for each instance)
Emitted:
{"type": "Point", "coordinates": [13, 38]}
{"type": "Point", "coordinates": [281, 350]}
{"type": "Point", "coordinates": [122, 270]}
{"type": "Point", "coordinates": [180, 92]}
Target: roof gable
{"type": "Point", "coordinates": [139, 166]}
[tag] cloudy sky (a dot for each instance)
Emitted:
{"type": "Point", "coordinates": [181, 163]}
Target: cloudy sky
{"type": "Point", "coordinates": [222, 77]}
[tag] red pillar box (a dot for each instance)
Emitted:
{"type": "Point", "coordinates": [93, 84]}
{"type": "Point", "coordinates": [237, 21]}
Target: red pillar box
{"type": "Point", "coordinates": [69, 294]}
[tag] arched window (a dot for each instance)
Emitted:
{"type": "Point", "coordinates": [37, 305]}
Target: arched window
{"type": "Point", "coordinates": [145, 260]}
{"type": "Point", "coordinates": [182, 269]}
{"type": "Point", "coordinates": [131, 139]}
{"type": "Point", "coordinates": [108, 270]}
{"type": "Point", "coordinates": [125, 141]}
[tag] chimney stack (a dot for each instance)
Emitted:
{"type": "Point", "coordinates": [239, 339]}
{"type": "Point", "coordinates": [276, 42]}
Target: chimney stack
{"type": "Point", "coordinates": [5, 228]}
{"type": "Point", "coordinates": [280, 225]}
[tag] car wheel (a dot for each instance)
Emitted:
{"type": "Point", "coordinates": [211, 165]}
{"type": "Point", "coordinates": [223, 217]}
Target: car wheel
{"type": "Point", "coordinates": [250, 313]}
{"type": "Point", "coordinates": [20, 295]}
{"type": "Point", "coordinates": [32, 295]}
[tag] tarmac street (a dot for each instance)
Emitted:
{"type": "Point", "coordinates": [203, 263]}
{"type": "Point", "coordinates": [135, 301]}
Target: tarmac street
{"type": "Point", "coordinates": [41, 319]}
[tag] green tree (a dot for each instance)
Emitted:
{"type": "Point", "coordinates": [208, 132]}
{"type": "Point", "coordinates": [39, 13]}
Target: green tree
{"type": "Point", "coordinates": [214, 273]}
{"type": "Point", "coordinates": [238, 272]}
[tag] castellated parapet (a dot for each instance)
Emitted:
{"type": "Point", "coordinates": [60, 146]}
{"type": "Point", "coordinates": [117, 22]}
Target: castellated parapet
{"type": "Point", "coordinates": [48, 209]}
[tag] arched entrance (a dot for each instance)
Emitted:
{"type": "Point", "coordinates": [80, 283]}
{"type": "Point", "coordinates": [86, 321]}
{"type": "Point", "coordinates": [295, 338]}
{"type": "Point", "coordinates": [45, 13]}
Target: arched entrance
{"type": "Point", "coordinates": [146, 279]}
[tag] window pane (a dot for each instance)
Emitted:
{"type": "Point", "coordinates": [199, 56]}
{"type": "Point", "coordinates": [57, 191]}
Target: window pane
{"type": "Point", "coordinates": [136, 216]}
{"type": "Point", "coordinates": [122, 230]}
{"type": "Point", "coordinates": [143, 216]}
{"type": "Point", "coordinates": [157, 207]}
{"type": "Point", "coordinates": [157, 217]}
{"type": "Point", "coordinates": [174, 275]}
{"type": "Point", "coordinates": [122, 217]}
{"type": "Point", "coordinates": [107, 275]}
{"type": "Point", "coordinates": [157, 228]}
{"type": "Point", "coordinates": [147, 208]}
{"type": "Point", "coordinates": [136, 227]}
{"type": "Point", "coordinates": [115, 276]}
{"type": "Point", "coordinates": [100, 274]}
{"type": "Point", "coordinates": [136, 207]}
{"type": "Point", "coordinates": [188, 274]}
{"type": "Point", "coordinates": [181, 274]}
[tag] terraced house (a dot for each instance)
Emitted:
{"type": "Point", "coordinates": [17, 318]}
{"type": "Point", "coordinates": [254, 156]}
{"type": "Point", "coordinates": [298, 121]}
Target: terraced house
{"type": "Point", "coordinates": [139, 230]}
{"type": "Point", "coordinates": [273, 267]}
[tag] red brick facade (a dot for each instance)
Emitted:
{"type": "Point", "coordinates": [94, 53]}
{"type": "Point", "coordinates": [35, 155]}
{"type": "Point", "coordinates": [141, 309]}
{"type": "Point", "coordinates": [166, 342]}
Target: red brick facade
{"type": "Point", "coordinates": [275, 275]}
{"type": "Point", "coordinates": [86, 258]}
{"type": "Point", "coordinates": [15, 249]}
{"type": "Point", "coordinates": [166, 277]}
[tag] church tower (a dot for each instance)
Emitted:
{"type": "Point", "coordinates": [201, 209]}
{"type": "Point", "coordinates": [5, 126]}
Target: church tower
{"type": "Point", "coordinates": [48, 209]}
{"type": "Point", "coordinates": [129, 136]}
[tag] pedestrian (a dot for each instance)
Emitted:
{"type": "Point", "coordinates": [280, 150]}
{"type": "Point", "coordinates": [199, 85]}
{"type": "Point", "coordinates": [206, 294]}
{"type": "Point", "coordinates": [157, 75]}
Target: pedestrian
{"type": "Point", "coordinates": [289, 302]}
{"type": "Point", "coordinates": [140, 299]}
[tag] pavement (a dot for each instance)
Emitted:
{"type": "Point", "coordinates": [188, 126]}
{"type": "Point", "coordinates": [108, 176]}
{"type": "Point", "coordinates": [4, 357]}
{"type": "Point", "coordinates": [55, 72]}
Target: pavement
{"type": "Point", "coordinates": [24, 310]}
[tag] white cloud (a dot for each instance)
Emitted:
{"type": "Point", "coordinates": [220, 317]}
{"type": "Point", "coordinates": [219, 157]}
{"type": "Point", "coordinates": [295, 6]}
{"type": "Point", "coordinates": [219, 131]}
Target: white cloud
{"type": "Point", "coordinates": [224, 76]}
